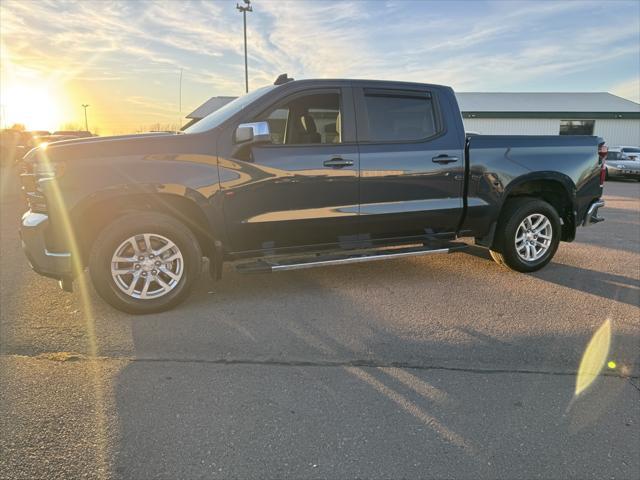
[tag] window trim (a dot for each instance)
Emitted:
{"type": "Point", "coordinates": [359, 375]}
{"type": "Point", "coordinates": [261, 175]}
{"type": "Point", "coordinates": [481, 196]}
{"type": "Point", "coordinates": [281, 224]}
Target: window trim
{"type": "Point", "coordinates": [362, 117]}
{"type": "Point", "coordinates": [281, 103]}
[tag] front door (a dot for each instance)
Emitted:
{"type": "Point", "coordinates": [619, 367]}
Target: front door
{"type": "Point", "coordinates": [411, 164]}
{"type": "Point", "coordinates": [301, 190]}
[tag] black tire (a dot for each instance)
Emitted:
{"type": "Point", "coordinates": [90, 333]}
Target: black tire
{"type": "Point", "coordinates": [606, 174]}
{"type": "Point", "coordinates": [514, 212]}
{"type": "Point", "coordinates": [111, 237]}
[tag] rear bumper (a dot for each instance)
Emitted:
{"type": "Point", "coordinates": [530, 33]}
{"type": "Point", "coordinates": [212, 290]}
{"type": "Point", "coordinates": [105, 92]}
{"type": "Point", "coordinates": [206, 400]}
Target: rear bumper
{"type": "Point", "coordinates": [50, 264]}
{"type": "Point", "coordinates": [614, 172]}
{"type": "Point", "coordinates": [592, 213]}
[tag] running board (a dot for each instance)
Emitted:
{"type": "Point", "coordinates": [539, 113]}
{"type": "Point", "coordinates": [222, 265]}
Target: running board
{"type": "Point", "coordinates": [322, 260]}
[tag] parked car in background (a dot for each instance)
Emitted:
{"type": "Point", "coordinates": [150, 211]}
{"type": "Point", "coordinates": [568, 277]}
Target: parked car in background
{"type": "Point", "coordinates": [623, 162]}
{"type": "Point", "coordinates": [25, 141]}
{"type": "Point", "coordinates": [53, 138]}
{"type": "Point", "coordinates": [74, 133]}
{"type": "Point", "coordinates": [630, 153]}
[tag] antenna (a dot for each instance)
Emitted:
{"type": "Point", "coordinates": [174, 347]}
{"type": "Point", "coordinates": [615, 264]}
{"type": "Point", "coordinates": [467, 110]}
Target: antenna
{"type": "Point", "coordinates": [282, 79]}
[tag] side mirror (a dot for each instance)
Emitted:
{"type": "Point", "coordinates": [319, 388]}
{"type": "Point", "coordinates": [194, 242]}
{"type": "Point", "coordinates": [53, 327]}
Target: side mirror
{"type": "Point", "coordinates": [253, 133]}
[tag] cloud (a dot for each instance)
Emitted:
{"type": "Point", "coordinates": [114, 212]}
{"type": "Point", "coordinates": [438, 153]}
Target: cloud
{"type": "Point", "coordinates": [149, 104]}
{"type": "Point", "coordinates": [629, 89]}
{"type": "Point", "coordinates": [475, 45]}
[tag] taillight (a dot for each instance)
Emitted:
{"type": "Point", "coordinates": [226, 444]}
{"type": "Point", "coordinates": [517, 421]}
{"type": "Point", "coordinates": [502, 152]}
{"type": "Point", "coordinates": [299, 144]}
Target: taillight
{"type": "Point", "coordinates": [603, 150]}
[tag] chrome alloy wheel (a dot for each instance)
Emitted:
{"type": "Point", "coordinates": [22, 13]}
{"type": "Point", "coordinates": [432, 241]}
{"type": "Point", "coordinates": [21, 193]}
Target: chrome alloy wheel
{"type": "Point", "coordinates": [533, 237]}
{"type": "Point", "coordinates": [147, 266]}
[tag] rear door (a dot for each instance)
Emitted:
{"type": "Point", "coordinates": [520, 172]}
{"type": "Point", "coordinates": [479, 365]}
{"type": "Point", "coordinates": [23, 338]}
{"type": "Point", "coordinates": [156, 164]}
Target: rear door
{"type": "Point", "coordinates": [411, 163]}
{"type": "Point", "coordinates": [301, 190]}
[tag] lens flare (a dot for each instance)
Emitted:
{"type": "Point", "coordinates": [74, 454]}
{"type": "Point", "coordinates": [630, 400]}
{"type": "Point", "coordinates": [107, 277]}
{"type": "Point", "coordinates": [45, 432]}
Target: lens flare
{"type": "Point", "coordinates": [594, 357]}
{"type": "Point", "coordinates": [57, 200]}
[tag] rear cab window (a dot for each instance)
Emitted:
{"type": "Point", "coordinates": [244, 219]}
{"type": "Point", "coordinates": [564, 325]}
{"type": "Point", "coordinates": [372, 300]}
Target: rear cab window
{"type": "Point", "coordinates": [399, 115]}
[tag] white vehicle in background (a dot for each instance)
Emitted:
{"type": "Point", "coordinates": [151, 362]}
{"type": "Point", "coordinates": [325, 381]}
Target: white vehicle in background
{"type": "Point", "coordinates": [623, 162]}
{"type": "Point", "coordinates": [630, 153]}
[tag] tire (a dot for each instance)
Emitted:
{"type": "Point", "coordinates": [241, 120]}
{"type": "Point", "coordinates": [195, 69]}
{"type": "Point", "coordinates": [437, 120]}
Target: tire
{"type": "Point", "coordinates": [606, 174]}
{"type": "Point", "coordinates": [171, 263]}
{"type": "Point", "coordinates": [512, 247]}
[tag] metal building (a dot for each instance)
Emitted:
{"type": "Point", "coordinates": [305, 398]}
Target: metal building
{"type": "Point", "coordinates": [211, 105]}
{"type": "Point", "coordinates": [613, 118]}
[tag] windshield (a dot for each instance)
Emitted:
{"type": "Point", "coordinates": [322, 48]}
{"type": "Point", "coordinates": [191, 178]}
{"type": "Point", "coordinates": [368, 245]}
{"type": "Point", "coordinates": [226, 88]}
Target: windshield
{"type": "Point", "coordinates": [224, 113]}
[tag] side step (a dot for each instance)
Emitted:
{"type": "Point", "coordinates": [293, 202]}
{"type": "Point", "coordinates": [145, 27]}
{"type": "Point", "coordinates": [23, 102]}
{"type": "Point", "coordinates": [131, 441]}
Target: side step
{"type": "Point", "coordinates": [321, 260]}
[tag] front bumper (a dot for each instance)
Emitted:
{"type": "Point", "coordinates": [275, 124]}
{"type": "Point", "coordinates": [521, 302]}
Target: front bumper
{"type": "Point", "coordinates": [50, 264]}
{"type": "Point", "coordinates": [592, 213]}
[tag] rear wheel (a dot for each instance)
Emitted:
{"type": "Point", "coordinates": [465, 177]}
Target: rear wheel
{"type": "Point", "coordinates": [528, 235]}
{"type": "Point", "coordinates": [145, 263]}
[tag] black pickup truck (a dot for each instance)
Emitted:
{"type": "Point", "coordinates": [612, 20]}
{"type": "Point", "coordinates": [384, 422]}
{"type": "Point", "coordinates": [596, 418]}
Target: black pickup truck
{"type": "Point", "coordinates": [300, 174]}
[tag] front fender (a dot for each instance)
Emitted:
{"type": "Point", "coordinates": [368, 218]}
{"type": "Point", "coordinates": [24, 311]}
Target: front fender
{"type": "Point", "coordinates": [122, 180]}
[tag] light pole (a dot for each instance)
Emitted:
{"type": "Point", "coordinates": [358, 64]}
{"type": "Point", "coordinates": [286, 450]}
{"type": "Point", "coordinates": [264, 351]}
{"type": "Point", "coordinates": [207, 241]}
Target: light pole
{"type": "Point", "coordinates": [86, 123]}
{"type": "Point", "coordinates": [244, 9]}
{"type": "Point", "coordinates": [180, 103]}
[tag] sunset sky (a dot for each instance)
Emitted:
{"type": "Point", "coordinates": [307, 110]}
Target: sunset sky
{"type": "Point", "coordinates": [124, 58]}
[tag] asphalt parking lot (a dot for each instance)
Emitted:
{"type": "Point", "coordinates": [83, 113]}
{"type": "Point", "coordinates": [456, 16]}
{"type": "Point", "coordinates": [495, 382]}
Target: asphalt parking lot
{"type": "Point", "coordinates": [433, 367]}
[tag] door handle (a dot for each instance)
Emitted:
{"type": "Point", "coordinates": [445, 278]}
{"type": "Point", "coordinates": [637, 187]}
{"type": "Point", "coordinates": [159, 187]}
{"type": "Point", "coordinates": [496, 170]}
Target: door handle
{"type": "Point", "coordinates": [338, 162]}
{"type": "Point", "coordinates": [444, 159]}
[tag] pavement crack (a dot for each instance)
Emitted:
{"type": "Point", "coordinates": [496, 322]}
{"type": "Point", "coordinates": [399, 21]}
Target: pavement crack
{"type": "Point", "coordinates": [365, 363]}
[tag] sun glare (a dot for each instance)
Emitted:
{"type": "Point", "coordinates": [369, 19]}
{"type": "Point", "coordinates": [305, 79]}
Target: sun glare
{"type": "Point", "coordinates": [37, 107]}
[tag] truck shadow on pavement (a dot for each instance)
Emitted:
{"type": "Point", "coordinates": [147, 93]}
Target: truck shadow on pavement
{"type": "Point", "coordinates": [292, 376]}
{"type": "Point", "coordinates": [606, 285]}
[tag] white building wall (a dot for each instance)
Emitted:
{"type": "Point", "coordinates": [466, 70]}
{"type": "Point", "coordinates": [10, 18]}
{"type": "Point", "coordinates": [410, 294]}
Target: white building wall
{"type": "Point", "coordinates": [618, 132]}
{"type": "Point", "coordinates": [615, 132]}
{"type": "Point", "coordinates": [512, 126]}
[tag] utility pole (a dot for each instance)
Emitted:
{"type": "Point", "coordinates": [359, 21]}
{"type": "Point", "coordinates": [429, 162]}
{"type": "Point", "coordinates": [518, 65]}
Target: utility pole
{"type": "Point", "coordinates": [86, 123]}
{"type": "Point", "coordinates": [244, 9]}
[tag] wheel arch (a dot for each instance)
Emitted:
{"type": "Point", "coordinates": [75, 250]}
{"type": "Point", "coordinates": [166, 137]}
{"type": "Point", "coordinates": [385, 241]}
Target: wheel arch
{"type": "Point", "coordinates": [91, 216]}
{"type": "Point", "coordinates": [555, 188]}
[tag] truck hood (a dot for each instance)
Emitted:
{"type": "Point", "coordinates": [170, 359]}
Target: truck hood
{"type": "Point", "coordinates": [116, 146]}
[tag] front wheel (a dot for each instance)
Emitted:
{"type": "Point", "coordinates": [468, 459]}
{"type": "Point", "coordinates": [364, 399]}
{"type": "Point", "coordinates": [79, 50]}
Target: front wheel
{"type": "Point", "coordinates": [528, 235]}
{"type": "Point", "coordinates": [145, 262]}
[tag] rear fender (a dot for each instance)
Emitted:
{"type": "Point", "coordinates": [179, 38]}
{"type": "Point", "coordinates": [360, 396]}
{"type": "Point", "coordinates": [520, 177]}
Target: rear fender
{"type": "Point", "coordinates": [546, 185]}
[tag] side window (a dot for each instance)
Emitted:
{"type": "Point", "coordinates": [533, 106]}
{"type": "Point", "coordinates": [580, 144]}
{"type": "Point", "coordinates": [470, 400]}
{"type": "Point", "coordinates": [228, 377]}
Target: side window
{"type": "Point", "coordinates": [400, 117]}
{"type": "Point", "coordinates": [278, 125]}
{"type": "Point", "coordinates": [312, 119]}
